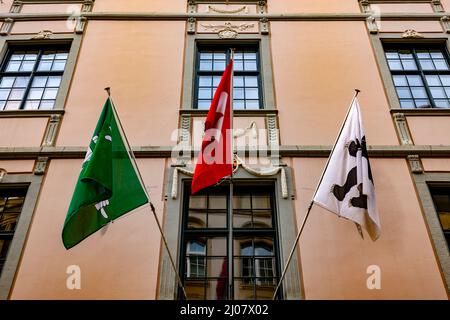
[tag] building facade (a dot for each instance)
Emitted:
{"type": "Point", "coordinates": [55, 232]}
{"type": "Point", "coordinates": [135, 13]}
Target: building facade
{"type": "Point", "coordinates": [297, 64]}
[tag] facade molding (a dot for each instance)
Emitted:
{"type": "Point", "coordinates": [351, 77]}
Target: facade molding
{"type": "Point", "coordinates": [401, 126]}
{"type": "Point", "coordinates": [415, 164]}
{"type": "Point", "coordinates": [295, 151]}
{"type": "Point", "coordinates": [435, 16]}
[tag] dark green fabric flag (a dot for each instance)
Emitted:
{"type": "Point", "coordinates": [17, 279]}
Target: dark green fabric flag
{"type": "Point", "coordinates": [108, 185]}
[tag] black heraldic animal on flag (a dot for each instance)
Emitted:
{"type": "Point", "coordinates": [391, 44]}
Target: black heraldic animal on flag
{"type": "Point", "coordinates": [347, 186]}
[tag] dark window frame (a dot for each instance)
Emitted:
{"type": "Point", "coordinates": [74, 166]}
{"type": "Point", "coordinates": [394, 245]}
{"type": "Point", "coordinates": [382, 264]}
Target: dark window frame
{"type": "Point", "coordinates": [196, 233]}
{"type": "Point", "coordinates": [213, 46]}
{"type": "Point", "coordinates": [34, 72]}
{"type": "Point", "coordinates": [437, 186]}
{"type": "Point", "coordinates": [19, 191]}
{"type": "Point", "coordinates": [413, 46]}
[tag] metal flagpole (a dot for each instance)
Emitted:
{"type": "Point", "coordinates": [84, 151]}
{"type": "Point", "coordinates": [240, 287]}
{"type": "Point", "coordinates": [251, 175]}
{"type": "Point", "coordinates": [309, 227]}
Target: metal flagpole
{"type": "Point", "coordinates": [230, 201]}
{"type": "Point", "coordinates": [152, 208]}
{"type": "Point", "coordinates": [357, 91]}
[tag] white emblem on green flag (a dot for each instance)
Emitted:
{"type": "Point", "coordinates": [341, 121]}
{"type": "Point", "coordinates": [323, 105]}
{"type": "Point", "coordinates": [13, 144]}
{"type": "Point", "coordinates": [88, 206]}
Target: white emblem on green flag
{"type": "Point", "coordinates": [108, 185]}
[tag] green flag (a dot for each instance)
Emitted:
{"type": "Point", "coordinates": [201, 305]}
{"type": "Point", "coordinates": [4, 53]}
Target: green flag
{"type": "Point", "coordinates": [108, 185]}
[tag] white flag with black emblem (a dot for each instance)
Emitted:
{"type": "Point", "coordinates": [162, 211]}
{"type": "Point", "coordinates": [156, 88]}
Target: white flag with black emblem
{"type": "Point", "coordinates": [347, 187]}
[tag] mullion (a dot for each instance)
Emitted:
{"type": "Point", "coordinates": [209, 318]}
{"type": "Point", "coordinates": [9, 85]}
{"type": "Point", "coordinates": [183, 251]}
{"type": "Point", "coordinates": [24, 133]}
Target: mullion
{"type": "Point", "coordinates": [425, 84]}
{"type": "Point", "coordinates": [27, 90]}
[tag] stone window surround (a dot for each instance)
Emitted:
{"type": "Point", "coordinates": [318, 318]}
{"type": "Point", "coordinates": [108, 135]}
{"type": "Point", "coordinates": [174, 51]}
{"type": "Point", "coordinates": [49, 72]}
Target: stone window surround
{"type": "Point", "coordinates": [23, 40]}
{"type": "Point", "coordinates": [265, 64]}
{"type": "Point", "coordinates": [33, 182]}
{"type": "Point", "coordinates": [422, 181]}
{"type": "Point", "coordinates": [292, 284]}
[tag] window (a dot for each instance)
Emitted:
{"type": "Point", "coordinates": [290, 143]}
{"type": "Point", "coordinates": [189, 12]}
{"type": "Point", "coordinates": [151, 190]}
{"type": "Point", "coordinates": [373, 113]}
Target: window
{"type": "Point", "coordinates": [212, 61]}
{"type": "Point", "coordinates": [441, 199]}
{"type": "Point", "coordinates": [30, 79]}
{"type": "Point", "coordinates": [11, 203]}
{"type": "Point", "coordinates": [206, 242]}
{"type": "Point", "coordinates": [421, 75]}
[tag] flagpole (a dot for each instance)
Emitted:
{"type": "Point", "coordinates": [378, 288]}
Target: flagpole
{"type": "Point", "coordinates": [357, 91]}
{"type": "Point", "coordinates": [152, 207]}
{"type": "Point", "coordinates": [230, 214]}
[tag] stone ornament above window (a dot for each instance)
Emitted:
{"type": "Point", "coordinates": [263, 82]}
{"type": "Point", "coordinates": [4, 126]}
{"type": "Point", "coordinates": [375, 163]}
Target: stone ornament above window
{"type": "Point", "coordinates": [412, 34]}
{"type": "Point", "coordinates": [228, 30]}
{"type": "Point", "coordinates": [43, 34]}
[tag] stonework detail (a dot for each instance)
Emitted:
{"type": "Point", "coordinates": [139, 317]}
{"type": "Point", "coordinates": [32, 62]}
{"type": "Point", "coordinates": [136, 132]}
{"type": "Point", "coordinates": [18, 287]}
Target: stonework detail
{"type": "Point", "coordinates": [402, 129]}
{"type": "Point", "coordinates": [3, 173]}
{"type": "Point", "coordinates": [415, 164]}
{"type": "Point", "coordinates": [272, 131]}
{"type": "Point", "coordinates": [264, 26]}
{"type": "Point", "coordinates": [191, 25]}
{"type": "Point", "coordinates": [437, 6]}
{"type": "Point", "coordinates": [43, 34]}
{"type": "Point", "coordinates": [412, 34]}
{"type": "Point", "coordinates": [365, 6]}
{"type": "Point", "coordinates": [40, 166]}
{"type": "Point", "coordinates": [228, 30]}
{"type": "Point", "coordinates": [445, 22]}
{"type": "Point", "coordinates": [372, 25]}
{"type": "Point", "coordinates": [81, 24]}
{"type": "Point", "coordinates": [52, 129]}
{"type": "Point", "coordinates": [228, 11]}
{"type": "Point", "coordinates": [87, 6]}
{"type": "Point", "coordinates": [6, 27]}
{"type": "Point", "coordinates": [16, 7]}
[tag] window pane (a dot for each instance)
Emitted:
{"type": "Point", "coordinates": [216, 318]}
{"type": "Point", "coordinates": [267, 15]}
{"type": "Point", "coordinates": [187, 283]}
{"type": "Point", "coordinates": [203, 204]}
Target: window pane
{"type": "Point", "coordinates": [392, 55]}
{"type": "Point", "coordinates": [48, 55]}
{"type": "Point", "coordinates": [252, 104]}
{"type": "Point", "coordinates": [39, 82]}
{"type": "Point", "coordinates": [238, 104]}
{"type": "Point", "coordinates": [50, 93]}
{"type": "Point", "coordinates": [4, 93]}
{"type": "Point", "coordinates": [32, 104]}
{"type": "Point", "coordinates": [244, 290]}
{"type": "Point", "coordinates": [21, 82]}
{"type": "Point", "coordinates": [195, 289]}
{"type": "Point", "coordinates": [17, 56]}
{"type": "Point", "coordinates": [238, 66]}
{"type": "Point", "coordinates": [423, 54]}
{"type": "Point", "coordinates": [35, 94]}
{"type": "Point", "coordinates": [250, 66]}
{"type": "Point", "coordinates": [204, 93]}
{"type": "Point", "coordinates": [196, 219]}
{"type": "Point", "coordinates": [242, 219]}
{"type": "Point", "coordinates": [251, 81]}
{"type": "Point", "coordinates": [403, 93]}
{"type": "Point", "coordinates": [217, 202]}
{"type": "Point", "coordinates": [445, 80]}
{"type": "Point", "coordinates": [204, 104]}
{"type": "Point", "coordinates": [418, 92]}
{"type": "Point", "coordinates": [27, 66]}
{"type": "Point", "coordinates": [407, 104]}
{"type": "Point", "coordinates": [217, 219]}
{"type": "Point", "coordinates": [54, 81]}
{"type": "Point", "coordinates": [217, 246]}
{"type": "Point", "coordinates": [405, 54]}
{"type": "Point", "coordinates": [206, 55]}
{"type": "Point", "coordinates": [47, 104]}
{"type": "Point", "coordinates": [16, 94]}
{"type": "Point", "coordinates": [441, 64]}
{"type": "Point", "coordinates": [262, 219]}
{"type": "Point", "coordinates": [219, 65]}
{"type": "Point", "coordinates": [395, 65]}
{"type": "Point", "coordinates": [251, 93]}
{"type": "Point", "coordinates": [58, 65]}
{"type": "Point", "coordinates": [422, 103]}
{"type": "Point", "coordinates": [426, 64]}
{"type": "Point", "coordinates": [7, 82]}
{"type": "Point", "coordinates": [238, 81]}
{"type": "Point", "coordinates": [13, 66]}
{"type": "Point", "coordinates": [12, 105]}
{"type": "Point", "coordinates": [219, 55]}
{"type": "Point", "coordinates": [62, 56]}
{"type": "Point", "coordinates": [437, 92]}
{"type": "Point", "coordinates": [205, 81]}
{"type": "Point", "coordinates": [436, 55]}
{"type": "Point", "coordinates": [415, 81]}
{"type": "Point", "coordinates": [2, 104]}
{"type": "Point", "coordinates": [238, 93]}
{"type": "Point", "coordinates": [45, 65]}
{"type": "Point", "coordinates": [441, 103]}
{"type": "Point", "coordinates": [433, 80]}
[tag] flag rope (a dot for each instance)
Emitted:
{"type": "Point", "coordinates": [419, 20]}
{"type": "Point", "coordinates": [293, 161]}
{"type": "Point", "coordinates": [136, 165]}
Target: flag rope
{"type": "Point", "coordinates": [152, 207]}
{"type": "Point", "coordinates": [283, 274]}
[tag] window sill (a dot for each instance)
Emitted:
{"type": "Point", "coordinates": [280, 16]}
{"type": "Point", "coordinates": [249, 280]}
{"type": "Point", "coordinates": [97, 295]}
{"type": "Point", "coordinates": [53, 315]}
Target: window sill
{"type": "Point", "coordinates": [237, 113]}
{"type": "Point", "coordinates": [29, 113]}
{"type": "Point", "coordinates": [422, 112]}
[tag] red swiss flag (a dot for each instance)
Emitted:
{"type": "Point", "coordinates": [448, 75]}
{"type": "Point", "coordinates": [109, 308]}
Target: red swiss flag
{"type": "Point", "coordinates": [214, 160]}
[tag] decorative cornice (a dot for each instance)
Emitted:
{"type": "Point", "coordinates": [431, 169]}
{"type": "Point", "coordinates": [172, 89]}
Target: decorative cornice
{"type": "Point", "coordinates": [41, 165]}
{"type": "Point", "coordinates": [81, 24]}
{"type": "Point", "coordinates": [437, 6]}
{"type": "Point", "coordinates": [264, 25]}
{"type": "Point", "coordinates": [372, 25]}
{"type": "Point", "coordinates": [445, 22]}
{"type": "Point", "coordinates": [16, 6]}
{"type": "Point", "coordinates": [412, 34]}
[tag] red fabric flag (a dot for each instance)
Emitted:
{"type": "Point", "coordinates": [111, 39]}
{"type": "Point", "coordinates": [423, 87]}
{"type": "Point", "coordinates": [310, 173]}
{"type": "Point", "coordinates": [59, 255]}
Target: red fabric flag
{"type": "Point", "coordinates": [214, 160]}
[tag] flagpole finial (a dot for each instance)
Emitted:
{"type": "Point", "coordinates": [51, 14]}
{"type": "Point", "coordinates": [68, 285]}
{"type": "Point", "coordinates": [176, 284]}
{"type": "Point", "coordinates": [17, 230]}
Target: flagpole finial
{"type": "Point", "coordinates": [357, 91]}
{"type": "Point", "coordinates": [108, 90]}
